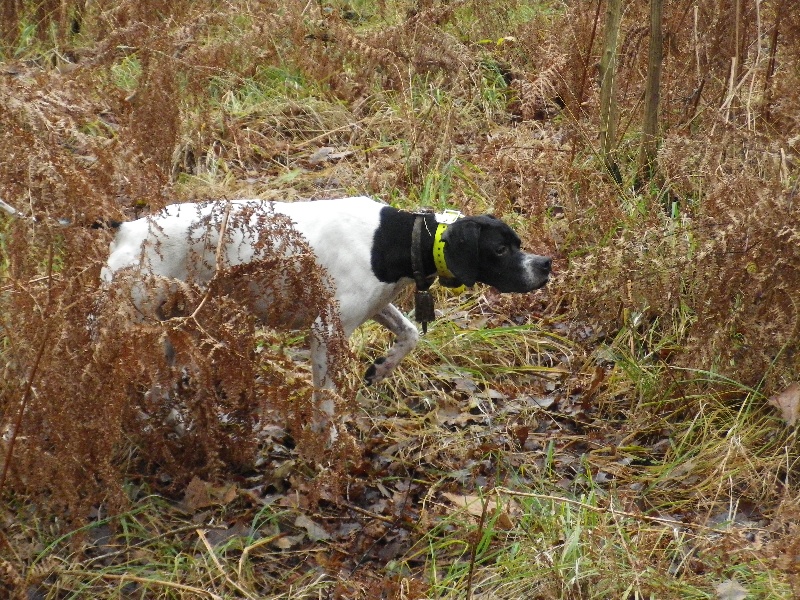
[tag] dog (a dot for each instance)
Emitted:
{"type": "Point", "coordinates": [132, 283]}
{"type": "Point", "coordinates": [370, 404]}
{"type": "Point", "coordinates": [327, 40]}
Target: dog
{"type": "Point", "coordinates": [365, 247]}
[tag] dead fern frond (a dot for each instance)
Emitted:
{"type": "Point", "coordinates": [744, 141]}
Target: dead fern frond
{"type": "Point", "coordinates": [537, 98]}
{"type": "Point", "coordinates": [11, 580]}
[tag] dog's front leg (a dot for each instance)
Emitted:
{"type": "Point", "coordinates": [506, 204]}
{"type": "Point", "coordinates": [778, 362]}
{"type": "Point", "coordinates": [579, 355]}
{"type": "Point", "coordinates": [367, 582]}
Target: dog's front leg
{"type": "Point", "coordinates": [407, 337]}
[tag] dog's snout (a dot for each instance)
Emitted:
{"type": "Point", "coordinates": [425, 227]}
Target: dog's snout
{"type": "Point", "coordinates": [545, 263]}
{"type": "Point", "coordinates": [536, 273]}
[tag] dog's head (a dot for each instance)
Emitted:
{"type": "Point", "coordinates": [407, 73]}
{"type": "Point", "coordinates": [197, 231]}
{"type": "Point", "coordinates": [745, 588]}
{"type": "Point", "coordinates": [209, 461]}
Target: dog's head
{"type": "Point", "coordinates": [487, 250]}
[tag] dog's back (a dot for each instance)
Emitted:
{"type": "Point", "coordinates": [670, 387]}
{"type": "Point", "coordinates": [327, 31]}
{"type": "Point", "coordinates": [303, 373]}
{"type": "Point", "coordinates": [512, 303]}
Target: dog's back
{"type": "Point", "coordinates": [181, 243]}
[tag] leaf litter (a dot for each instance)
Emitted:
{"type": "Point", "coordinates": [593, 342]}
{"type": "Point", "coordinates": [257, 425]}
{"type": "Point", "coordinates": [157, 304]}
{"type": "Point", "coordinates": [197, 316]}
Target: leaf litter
{"type": "Point", "coordinates": [464, 429]}
{"type": "Point", "coordinates": [403, 486]}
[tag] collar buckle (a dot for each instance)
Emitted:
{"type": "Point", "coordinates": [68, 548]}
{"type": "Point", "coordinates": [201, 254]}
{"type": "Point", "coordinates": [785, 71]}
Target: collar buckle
{"type": "Point", "coordinates": [448, 216]}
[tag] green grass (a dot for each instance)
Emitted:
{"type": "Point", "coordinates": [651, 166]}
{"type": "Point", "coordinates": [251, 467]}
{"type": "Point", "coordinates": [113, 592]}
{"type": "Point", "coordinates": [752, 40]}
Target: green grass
{"type": "Point", "coordinates": [126, 72]}
{"type": "Point", "coordinates": [560, 547]}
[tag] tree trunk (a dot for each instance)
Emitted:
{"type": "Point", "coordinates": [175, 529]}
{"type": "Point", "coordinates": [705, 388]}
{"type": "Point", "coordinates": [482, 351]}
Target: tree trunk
{"type": "Point", "coordinates": [647, 152]}
{"type": "Point", "coordinates": [608, 104]}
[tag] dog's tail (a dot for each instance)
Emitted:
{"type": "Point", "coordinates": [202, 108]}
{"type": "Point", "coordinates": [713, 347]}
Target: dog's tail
{"type": "Point", "coordinates": [99, 224]}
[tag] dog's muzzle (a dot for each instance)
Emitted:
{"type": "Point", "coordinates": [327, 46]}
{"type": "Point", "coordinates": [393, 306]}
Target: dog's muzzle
{"type": "Point", "coordinates": [537, 271]}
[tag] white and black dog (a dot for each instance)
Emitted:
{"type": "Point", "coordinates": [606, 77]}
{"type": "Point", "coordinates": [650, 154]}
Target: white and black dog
{"type": "Point", "coordinates": [364, 246]}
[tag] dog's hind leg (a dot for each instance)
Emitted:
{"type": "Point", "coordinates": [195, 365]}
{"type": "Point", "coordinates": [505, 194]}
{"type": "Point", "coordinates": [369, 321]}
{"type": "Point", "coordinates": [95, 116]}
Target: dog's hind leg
{"type": "Point", "coordinates": [407, 337]}
{"type": "Point", "coordinates": [324, 386]}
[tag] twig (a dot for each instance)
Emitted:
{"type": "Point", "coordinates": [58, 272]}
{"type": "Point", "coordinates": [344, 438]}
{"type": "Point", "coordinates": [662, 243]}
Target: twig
{"type": "Point", "coordinates": [367, 513]}
{"type": "Point", "coordinates": [26, 396]}
{"type": "Point", "coordinates": [10, 286]}
{"type": "Point", "coordinates": [655, 60]}
{"type": "Point", "coordinates": [246, 551]}
{"type": "Point", "coordinates": [202, 535]}
{"type": "Point", "coordinates": [178, 321]}
{"type": "Point", "coordinates": [145, 580]}
{"type": "Point", "coordinates": [585, 66]}
{"type": "Point", "coordinates": [143, 543]}
{"type": "Point", "coordinates": [217, 260]}
{"type": "Point", "coordinates": [750, 118]}
{"type": "Point", "coordinates": [473, 552]}
{"type": "Point", "coordinates": [772, 52]}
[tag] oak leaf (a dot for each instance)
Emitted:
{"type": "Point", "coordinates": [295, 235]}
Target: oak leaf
{"type": "Point", "coordinates": [731, 590]}
{"type": "Point", "coordinates": [788, 403]}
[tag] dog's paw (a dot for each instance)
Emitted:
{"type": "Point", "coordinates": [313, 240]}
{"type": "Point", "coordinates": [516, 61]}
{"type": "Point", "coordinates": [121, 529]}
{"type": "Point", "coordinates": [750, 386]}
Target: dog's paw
{"type": "Point", "coordinates": [375, 373]}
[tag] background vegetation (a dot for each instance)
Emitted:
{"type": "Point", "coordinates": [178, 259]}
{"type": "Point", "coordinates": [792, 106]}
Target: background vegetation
{"type": "Point", "coordinates": [629, 432]}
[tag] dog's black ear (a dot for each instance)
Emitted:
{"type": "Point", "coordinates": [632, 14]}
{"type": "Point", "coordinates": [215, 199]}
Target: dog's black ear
{"type": "Point", "coordinates": [461, 249]}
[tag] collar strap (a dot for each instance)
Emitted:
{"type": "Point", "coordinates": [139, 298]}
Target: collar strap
{"type": "Point", "coordinates": [423, 282]}
{"type": "Point", "coordinates": [423, 301]}
{"type": "Point", "coordinates": [446, 278]}
{"type": "Point", "coordinates": [438, 252]}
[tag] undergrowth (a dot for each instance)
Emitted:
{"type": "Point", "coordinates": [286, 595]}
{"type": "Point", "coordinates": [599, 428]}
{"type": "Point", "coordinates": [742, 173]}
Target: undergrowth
{"type": "Point", "coordinates": [614, 435]}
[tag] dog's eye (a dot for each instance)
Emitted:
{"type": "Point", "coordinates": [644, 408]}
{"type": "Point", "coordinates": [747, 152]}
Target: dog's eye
{"type": "Point", "coordinates": [501, 250]}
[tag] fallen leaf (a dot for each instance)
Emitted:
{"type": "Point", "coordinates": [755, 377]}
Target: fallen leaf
{"type": "Point", "coordinates": [597, 380]}
{"type": "Point", "coordinates": [474, 506]}
{"type": "Point", "coordinates": [287, 542]}
{"type": "Point", "coordinates": [314, 531]}
{"type": "Point", "coordinates": [788, 402]}
{"type": "Point", "coordinates": [494, 395]}
{"type": "Point", "coordinates": [730, 590]}
{"type": "Point", "coordinates": [218, 537]}
{"type": "Point", "coordinates": [521, 433]}
{"type": "Point", "coordinates": [451, 415]}
{"type": "Point", "coordinates": [447, 414]}
{"type": "Point", "coordinates": [197, 494]}
{"type": "Point", "coordinates": [201, 494]}
{"type": "Point", "coordinates": [504, 522]}
{"type": "Point", "coordinates": [463, 384]}
{"type": "Point", "coordinates": [340, 155]}
{"type": "Point", "coordinates": [228, 494]}
{"type": "Point", "coordinates": [543, 402]}
{"type": "Point", "coordinates": [328, 154]}
{"type": "Point", "coordinates": [321, 155]}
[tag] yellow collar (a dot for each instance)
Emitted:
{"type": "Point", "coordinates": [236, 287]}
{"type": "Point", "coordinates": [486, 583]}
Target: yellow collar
{"type": "Point", "coordinates": [438, 252]}
{"type": "Point", "coordinates": [438, 259]}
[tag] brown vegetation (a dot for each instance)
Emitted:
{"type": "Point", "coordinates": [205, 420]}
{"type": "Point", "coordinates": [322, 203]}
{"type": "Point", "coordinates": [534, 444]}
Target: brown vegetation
{"type": "Point", "coordinates": [678, 294]}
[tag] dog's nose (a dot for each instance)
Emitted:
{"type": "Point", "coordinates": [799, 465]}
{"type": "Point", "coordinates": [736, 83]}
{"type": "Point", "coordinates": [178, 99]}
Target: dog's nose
{"type": "Point", "coordinates": [544, 263]}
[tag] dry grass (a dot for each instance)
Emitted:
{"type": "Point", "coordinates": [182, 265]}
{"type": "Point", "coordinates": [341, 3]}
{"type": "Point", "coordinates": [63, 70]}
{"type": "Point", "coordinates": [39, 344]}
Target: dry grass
{"type": "Point", "coordinates": [612, 432]}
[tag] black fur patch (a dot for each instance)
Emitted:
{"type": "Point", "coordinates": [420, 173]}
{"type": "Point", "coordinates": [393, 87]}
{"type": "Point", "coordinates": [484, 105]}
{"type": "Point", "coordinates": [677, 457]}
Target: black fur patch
{"type": "Point", "coordinates": [391, 245]}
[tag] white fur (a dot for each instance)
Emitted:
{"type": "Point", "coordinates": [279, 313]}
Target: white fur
{"type": "Point", "coordinates": [340, 232]}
